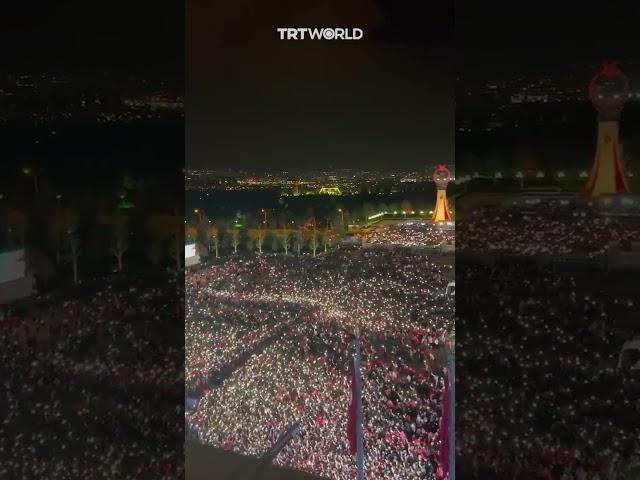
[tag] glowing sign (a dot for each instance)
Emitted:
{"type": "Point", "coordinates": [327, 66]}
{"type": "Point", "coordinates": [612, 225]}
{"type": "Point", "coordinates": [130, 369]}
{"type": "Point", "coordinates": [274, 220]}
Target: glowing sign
{"type": "Point", "coordinates": [190, 250]}
{"type": "Point", "coordinates": [12, 266]}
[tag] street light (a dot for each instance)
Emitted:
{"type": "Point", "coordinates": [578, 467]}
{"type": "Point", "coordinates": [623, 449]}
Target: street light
{"type": "Point", "coordinates": [28, 171]}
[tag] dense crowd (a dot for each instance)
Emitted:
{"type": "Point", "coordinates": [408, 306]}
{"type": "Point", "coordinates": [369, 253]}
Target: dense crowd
{"type": "Point", "coordinates": [408, 234]}
{"type": "Point", "coordinates": [539, 392]}
{"type": "Point", "coordinates": [92, 384]}
{"type": "Point", "coordinates": [269, 345]}
{"type": "Point", "coordinates": [555, 229]}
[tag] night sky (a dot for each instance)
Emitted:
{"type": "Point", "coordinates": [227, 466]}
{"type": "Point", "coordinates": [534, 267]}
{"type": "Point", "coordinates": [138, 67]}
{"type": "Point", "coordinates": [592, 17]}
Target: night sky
{"type": "Point", "coordinates": [256, 102]}
{"type": "Point", "coordinates": [519, 37]}
{"type": "Point", "coordinates": [138, 37]}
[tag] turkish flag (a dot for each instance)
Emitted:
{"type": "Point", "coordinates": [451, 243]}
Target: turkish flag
{"type": "Point", "coordinates": [352, 414]}
{"type": "Point", "coordinates": [444, 432]}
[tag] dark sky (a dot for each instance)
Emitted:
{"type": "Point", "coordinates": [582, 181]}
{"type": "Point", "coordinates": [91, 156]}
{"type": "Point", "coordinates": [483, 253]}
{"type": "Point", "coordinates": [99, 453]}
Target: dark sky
{"type": "Point", "coordinates": [260, 103]}
{"type": "Point", "coordinates": [132, 37]}
{"type": "Point", "coordinates": [520, 36]}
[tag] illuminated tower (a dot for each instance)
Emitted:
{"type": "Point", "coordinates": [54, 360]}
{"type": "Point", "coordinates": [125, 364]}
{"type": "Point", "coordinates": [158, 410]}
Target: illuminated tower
{"type": "Point", "coordinates": [608, 91]}
{"type": "Point", "coordinates": [441, 178]}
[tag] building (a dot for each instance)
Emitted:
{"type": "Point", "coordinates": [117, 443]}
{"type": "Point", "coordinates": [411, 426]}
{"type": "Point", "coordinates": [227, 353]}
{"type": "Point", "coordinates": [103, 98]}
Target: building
{"type": "Point", "coordinates": [441, 177]}
{"type": "Point", "coordinates": [608, 91]}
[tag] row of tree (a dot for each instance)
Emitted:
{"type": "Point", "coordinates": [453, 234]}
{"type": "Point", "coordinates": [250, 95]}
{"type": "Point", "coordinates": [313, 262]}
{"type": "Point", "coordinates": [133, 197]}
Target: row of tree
{"type": "Point", "coordinates": [215, 239]}
{"type": "Point", "coordinates": [59, 238]}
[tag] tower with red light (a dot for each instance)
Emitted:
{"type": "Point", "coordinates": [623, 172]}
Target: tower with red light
{"type": "Point", "coordinates": [441, 177]}
{"type": "Point", "coordinates": [608, 91]}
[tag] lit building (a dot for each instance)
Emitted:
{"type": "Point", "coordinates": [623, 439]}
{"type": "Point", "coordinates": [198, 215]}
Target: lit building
{"type": "Point", "coordinates": [441, 177]}
{"type": "Point", "coordinates": [608, 91]}
{"type": "Point", "coordinates": [330, 191]}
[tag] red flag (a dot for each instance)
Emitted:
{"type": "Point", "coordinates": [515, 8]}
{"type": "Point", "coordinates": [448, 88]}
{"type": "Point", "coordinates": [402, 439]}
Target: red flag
{"type": "Point", "coordinates": [352, 414]}
{"type": "Point", "coordinates": [444, 432]}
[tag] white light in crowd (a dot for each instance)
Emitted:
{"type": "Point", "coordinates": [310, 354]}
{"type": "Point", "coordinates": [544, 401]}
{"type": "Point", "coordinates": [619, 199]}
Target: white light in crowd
{"type": "Point", "coordinates": [519, 175]}
{"type": "Point", "coordinates": [498, 175]}
{"type": "Point", "coordinates": [583, 174]}
{"type": "Point", "coordinates": [561, 174]}
{"type": "Point", "coordinates": [540, 175]}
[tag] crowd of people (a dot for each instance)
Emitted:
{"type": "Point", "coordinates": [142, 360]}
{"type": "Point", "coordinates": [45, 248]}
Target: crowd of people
{"type": "Point", "coordinates": [550, 229]}
{"type": "Point", "coordinates": [93, 382]}
{"type": "Point", "coordinates": [416, 234]}
{"type": "Point", "coordinates": [269, 344]}
{"type": "Point", "coordinates": [539, 392]}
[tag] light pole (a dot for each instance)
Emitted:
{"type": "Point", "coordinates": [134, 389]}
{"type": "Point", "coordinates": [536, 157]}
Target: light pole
{"type": "Point", "coordinates": [451, 361]}
{"type": "Point", "coordinates": [28, 171]}
{"type": "Point", "coordinates": [358, 390]}
{"type": "Point", "coordinates": [341, 212]}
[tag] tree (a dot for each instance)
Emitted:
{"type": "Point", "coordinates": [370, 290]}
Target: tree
{"type": "Point", "coordinates": [494, 162]}
{"type": "Point", "coordinates": [259, 239]}
{"type": "Point", "coordinates": [58, 228]}
{"type": "Point", "coordinates": [326, 240]}
{"type": "Point", "coordinates": [41, 265]}
{"type": "Point", "coordinates": [213, 237]}
{"type": "Point", "coordinates": [120, 239]}
{"type": "Point", "coordinates": [275, 242]}
{"type": "Point", "coordinates": [406, 206]}
{"type": "Point", "coordinates": [368, 209]}
{"type": "Point", "coordinates": [74, 252]}
{"type": "Point", "coordinates": [235, 239]}
{"type": "Point", "coordinates": [177, 238]}
{"type": "Point", "coordinates": [191, 232]}
{"type": "Point", "coordinates": [525, 160]}
{"type": "Point", "coordinates": [17, 227]}
{"type": "Point", "coordinates": [314, 241]}
{"type": "Point", "coordinates": [299, 240]}
{"type": "Point", "coordinates": [286, 241]}
{"type": "Point", "coordinates": [170, 227]}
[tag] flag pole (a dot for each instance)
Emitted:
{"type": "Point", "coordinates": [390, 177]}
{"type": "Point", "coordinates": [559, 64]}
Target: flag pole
{"type": "Point", "coordinates": [452, 409]}
{"type": "Point", "coordinates": [359, 437]}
